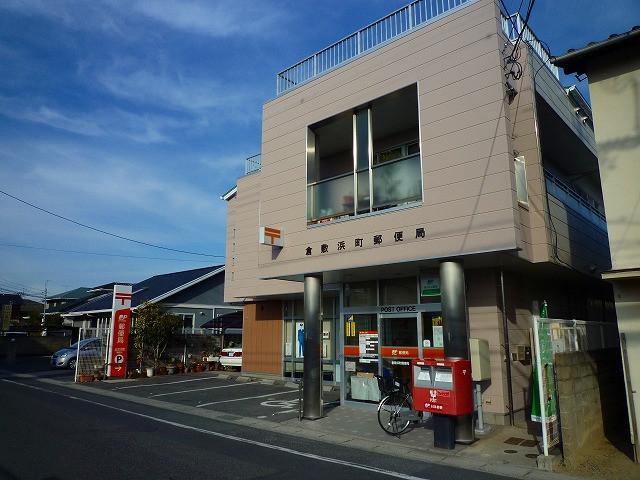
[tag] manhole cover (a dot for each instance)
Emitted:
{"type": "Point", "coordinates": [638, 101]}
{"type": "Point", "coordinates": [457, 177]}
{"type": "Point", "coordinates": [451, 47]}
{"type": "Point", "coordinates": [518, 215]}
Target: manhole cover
{"type": "Point", "coordinates": [514, 440]}
{"type": "Point", "coordinates": [510, 451]}
{"type": "Point", "coordinates": [531, 455]}
{"type": "Point", "coordinates": [529, 443]}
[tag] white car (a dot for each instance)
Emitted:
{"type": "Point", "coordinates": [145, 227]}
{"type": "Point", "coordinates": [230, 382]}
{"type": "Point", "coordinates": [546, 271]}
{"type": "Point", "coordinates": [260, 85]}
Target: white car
{"type": "Point", "coordinates": [231, 357]}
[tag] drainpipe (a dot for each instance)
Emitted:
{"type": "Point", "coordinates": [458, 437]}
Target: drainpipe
{"type": "Point", "coordinates": [507, 348]}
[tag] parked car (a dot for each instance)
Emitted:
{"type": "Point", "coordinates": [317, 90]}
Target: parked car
{"type": "Point", "coordinates": [231, 357]}
{"type": "Point", "coordinates": [67, 357]}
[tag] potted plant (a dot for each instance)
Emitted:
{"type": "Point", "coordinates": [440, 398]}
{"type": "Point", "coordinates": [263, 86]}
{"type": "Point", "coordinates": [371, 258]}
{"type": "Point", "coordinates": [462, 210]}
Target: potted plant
{"type": "Point", "coordinates": [153, 330]}
{"type": "Point", "coordinates": [85, 378]}
{"type": "Point", "coordinates": [171, 366]}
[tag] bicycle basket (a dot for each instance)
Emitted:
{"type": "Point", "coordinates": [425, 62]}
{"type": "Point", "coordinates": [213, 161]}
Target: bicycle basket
{"type": "Point", "coordinates": [385, 384]}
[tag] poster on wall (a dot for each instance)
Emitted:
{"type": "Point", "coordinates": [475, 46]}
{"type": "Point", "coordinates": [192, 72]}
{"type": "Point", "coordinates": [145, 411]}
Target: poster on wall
{"type": "Point", "coordinates": [368, 346]}
{"type": "Point", "coordinates": [438, 335]}
{"type": "Point", "coordinates": [299, 339]}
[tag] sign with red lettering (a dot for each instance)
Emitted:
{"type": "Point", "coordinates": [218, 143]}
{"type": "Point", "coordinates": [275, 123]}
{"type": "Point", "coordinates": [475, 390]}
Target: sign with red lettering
{"type": "Point", "coordinates": [119, 335]}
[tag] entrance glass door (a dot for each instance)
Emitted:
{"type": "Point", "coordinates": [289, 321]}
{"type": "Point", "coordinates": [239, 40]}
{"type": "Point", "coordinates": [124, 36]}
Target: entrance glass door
{"type": "Point", "coordinates": [361, 357]}
{"type": "Point", "coordinates": [399, 345]}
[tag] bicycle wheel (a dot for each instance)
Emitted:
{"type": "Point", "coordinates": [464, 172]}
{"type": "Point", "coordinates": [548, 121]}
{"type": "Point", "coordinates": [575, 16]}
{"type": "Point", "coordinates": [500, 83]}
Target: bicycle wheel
{"type": "Point", "coordinates": [393, 413]}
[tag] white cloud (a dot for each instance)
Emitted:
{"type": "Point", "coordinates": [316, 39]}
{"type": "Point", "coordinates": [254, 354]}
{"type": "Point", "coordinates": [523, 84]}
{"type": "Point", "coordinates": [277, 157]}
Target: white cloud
{"type": "Point", "coordinates": [171, 90]}
{"type": "Point", "coordinates": [73, 14]}
{"type": "Point", "coordinates": [211, 18]}
{"type": "Point", "coordinates": [138, 196]}
{"type": "Point", "coordinates": [215, 19]}
{"type": "Point", "coordinates": [106, 122]}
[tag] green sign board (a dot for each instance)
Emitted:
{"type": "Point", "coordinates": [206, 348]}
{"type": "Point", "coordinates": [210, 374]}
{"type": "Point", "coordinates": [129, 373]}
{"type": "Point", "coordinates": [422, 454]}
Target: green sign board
{"type": "Point", "coordinates": [543, 405]}
{"type": "Point", "coordinates": [429, 285]}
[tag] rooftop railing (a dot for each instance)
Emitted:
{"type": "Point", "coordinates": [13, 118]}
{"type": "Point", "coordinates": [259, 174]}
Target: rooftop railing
{"type": "Point", "coordinates": [396, 24]}
{"type": "Point", "coordinates": [253, 164]}
{"type": "Point", "coordinates": [513, 25]}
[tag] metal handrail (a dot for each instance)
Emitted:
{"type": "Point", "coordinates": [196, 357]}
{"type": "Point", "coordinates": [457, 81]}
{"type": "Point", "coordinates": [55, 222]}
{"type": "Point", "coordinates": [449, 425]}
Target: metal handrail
{"type": "Point", "coordinates": [513, 25]}
{"type": "Point", "coordinates": [573, 199]}
{"type": "Point", "coordinates": [400, 22]}
{"type": "Point", "coordinates": [253, 164]}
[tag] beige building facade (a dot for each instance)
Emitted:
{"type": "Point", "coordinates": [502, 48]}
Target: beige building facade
{"type": "Point", "coordinates": [401, 155]}
{"type": "Point", "coordinates": [613, 69]}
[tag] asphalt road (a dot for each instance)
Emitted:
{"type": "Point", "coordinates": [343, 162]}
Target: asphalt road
{"type": "Point", "coordinates": [53, 432]}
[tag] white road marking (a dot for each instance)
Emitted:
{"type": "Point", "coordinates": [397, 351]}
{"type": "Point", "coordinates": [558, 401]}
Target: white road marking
{"type": "Point", "coordinates": [280, 403]}
{"type": "Point", "coordinates": [284, 411]}
{"type": "Point", "coordinates": [167, 383]}
{"type": "Point", "coordinates": [313, 456]}
{"type": "Point", "coordinates": [245, 398]}
{"type": "Point", "coordinates": [201, 389]}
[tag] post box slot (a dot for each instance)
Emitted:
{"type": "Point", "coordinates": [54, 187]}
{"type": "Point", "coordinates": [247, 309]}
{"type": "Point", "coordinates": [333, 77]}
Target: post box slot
{"type": "Point", "coordinates": [423, 376]}
{"type": "Point", "coordinates": [443, 378]}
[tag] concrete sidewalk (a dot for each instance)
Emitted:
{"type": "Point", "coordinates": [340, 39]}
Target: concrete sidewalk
{"type": "Point", "coordinates": [358, 428]}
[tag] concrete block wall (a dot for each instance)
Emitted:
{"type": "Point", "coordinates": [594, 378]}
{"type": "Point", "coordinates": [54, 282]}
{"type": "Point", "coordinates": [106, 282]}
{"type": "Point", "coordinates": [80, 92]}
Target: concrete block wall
{"type": "Point", "coordinates": [590, 400]}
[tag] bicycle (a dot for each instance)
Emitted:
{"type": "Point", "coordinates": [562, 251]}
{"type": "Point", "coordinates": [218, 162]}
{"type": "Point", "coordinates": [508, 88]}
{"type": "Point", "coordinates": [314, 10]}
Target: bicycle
{"type": "Point", "coordinates": [395, 410]}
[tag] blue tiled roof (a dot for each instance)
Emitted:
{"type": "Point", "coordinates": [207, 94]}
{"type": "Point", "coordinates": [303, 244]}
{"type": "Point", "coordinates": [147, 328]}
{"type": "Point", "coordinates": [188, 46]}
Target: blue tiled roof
{"type": "Point", "coordinates": [147, 289]}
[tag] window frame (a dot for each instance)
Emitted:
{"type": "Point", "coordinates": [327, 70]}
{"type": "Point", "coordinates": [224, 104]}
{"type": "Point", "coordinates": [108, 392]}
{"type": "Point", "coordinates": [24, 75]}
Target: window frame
{"type": "Point", "coordinates": [519, 162]}
{"type": "Point", "coordinates": [310, 150]}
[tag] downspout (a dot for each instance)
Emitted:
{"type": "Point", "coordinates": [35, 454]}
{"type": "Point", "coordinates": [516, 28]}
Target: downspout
{"type": "Point", "coordinates": [507, 348]}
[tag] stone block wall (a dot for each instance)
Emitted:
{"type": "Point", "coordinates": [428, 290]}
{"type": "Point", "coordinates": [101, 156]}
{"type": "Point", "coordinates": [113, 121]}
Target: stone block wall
{"type": "Point", "coordinates": [591, 399]}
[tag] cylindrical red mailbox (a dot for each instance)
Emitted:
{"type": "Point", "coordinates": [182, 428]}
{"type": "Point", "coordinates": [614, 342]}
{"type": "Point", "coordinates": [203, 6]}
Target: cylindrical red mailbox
{"type": "Point", "coordinates": [442, 386]}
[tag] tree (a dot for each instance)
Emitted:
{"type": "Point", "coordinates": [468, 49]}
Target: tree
{"type": "Point", "coordinates": [153, 329]}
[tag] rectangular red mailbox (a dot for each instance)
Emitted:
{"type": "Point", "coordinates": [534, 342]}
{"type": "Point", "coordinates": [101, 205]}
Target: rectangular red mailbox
{"type": "Point", "coordinates": [442, 386]}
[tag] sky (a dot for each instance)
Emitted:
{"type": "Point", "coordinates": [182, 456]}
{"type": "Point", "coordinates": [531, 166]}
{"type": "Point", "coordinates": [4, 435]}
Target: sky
{"type": "Point", "coordinates": [134, 117]}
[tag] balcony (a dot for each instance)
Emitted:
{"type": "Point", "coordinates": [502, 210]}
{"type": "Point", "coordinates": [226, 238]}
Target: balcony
{"type": "Point", "coordinates": [575, 200]}
{"type": "Point", "coordinates": [399, 23]}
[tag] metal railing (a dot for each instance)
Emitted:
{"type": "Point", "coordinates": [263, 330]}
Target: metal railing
{"type": "Point", "coordinates": [574, 200]}
{"type": "Point", "coordinates": [253, 164]}
{"type": "Point", "coordinates": [513, 25]}
{"type": "Point", "coordinates": [412, 16]}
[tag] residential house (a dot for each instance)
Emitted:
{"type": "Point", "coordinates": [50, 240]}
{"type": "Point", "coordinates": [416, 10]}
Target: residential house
{"type": "Point", "coordinates": [613, 68]}
{"type": "Point", "coordinates": [194, 295]}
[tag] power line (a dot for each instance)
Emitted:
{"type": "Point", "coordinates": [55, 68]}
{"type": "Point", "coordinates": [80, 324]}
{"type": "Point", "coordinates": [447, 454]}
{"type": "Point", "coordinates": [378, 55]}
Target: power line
{"type": "Point", "coordinates": [95, 229]}
{"type": "Point", "coordinates": [104, 254]}
{"type": "Point", "coordinates": [15, 284]}
{"type": "Point", "coordinates": [19, 293]}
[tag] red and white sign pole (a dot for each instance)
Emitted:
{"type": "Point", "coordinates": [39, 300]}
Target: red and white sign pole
{"type": "Point", "coordinates": [119, 335]}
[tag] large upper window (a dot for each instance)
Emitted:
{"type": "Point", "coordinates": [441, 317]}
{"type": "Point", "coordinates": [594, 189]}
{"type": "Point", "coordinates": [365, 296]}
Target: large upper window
{"type": "Point", "coordinates": [366, 159]}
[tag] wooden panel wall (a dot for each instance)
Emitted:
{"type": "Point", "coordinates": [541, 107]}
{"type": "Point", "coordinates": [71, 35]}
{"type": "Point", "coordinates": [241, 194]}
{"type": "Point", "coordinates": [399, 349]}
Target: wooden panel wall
{"type": "Point", "coordinates": [262, 338]}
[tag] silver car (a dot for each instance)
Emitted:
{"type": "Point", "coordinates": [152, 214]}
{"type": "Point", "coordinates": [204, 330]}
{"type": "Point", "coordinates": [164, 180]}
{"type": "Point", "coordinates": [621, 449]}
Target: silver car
{"type": "Point", "coordinates": [67, 357]}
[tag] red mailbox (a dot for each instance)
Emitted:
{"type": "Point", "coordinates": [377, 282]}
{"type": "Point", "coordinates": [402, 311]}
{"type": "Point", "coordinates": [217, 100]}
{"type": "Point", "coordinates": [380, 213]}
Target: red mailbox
{"type": "Point", "coordinates": [442, 386]}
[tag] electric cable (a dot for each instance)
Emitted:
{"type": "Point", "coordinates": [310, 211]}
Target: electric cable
{"type": "Point", "coordinates": [105, 254]}
{"type": "Point", "coordinates": [95, 229]}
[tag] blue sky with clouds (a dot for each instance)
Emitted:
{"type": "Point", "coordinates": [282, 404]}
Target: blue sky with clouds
{"type": "Point", "coordinates": [135, 116]}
